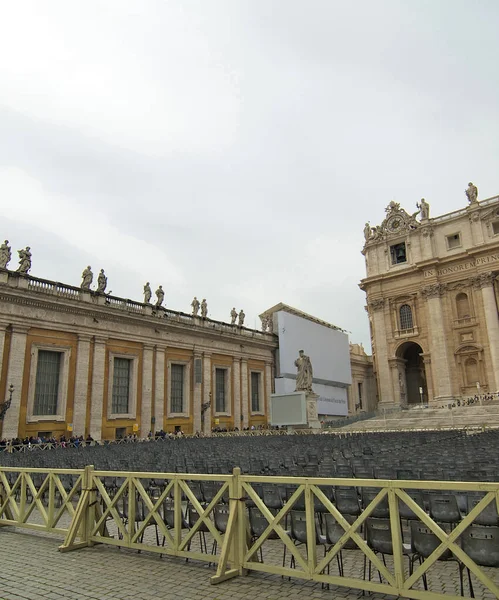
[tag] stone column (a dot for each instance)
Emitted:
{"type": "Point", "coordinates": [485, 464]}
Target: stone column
{"type": "Point", "coordinates": [429, 377]}
{"type": "Point", "coordinates": [146, 406]}
{"type": "Point", "coordinates": [97, 400]}
{"type": "Point", "coordinates": [197, 393]}
{"type": "Point", "coordinates": [268, 389]}
{"type": "Point", "coordinates": [159, 395]}
{"type": "Point", "coordinates": [236, 371]}
{"type": "Point", "coordinates": [485, 281]}
{"type": "Point", "coordinates": [376, 309]}
{"type": "Point", "coordinates": [207, 400]}
{"type": "Point", "coordinates": [436, 329]}
{"type": "Point", "coordinates": [81, 384]}
{"type": "Point", "coordinates": [3, 327]}
{"type": "Point", "coordinates": [475, 223]}
{"type": "Point", "coordinates": [244, 392]}
{"type": "Point", "coordinates": [15, 377]}
{"type": "Point", "coordinates": [399, 382]}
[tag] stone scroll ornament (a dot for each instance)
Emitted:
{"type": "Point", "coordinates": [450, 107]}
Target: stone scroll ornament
{"type": "Point", "coordinates": [24, 261]}
{"type": "Point", "coordinates": [5, 254]}
{"type": "Point", "coordinates": [304, 374]}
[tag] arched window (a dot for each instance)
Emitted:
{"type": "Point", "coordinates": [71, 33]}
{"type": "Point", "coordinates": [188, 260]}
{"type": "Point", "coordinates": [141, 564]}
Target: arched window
{"type": "Point", "coordinates": [462, 306]}
{"type": "Point", "coordinates": [406, 317]}
{"type": "Point", "coordinates": [471, 369]}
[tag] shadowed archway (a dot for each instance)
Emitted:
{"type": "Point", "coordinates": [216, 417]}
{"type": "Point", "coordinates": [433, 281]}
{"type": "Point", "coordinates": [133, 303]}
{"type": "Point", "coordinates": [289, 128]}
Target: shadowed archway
{"type": "Point", "coordinates": [414, 372]}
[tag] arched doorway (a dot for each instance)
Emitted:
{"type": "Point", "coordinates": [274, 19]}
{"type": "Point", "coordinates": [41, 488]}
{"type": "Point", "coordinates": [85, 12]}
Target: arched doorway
{"type": "Point", "coordinates": [413, 377]}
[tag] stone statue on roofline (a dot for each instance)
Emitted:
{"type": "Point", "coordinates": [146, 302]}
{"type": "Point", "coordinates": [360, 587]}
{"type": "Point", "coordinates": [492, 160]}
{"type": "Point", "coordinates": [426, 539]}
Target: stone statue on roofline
{"type": "Point", "coordinates": [367, 232]}
{"type": "Point", "coordinates": [87, 278]}
{"type": "Point", "coordinates": [195, 307]}
{"type": "Point", "coordinates": [265, 323]}
{"type": "Point", "coordinates": [204, 308]}
{"type": "Point", "coordinates": [147, 293]}
{"type": "Point", "coordinates": [24, 261]}
{"type": "Point", "coordinates": [472, 193]}
{"type": "Point", "coordinates": [304, 375]}
{"type": "Point", "coordinates": [424, 209]}
{"type": "Point", "coordinates": [101, 282]}
{"type": "Point", "coordinates": [233, 316]}
{"type": "Point", "coordinates": [5, 254]}
{"type": "Point", "coordinates": [160, 295]}
{"type": "Point", "coordinates": [241, 318]}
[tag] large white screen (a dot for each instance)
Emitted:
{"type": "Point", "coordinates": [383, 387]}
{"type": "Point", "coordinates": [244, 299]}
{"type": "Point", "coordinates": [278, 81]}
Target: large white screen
{"type": "Point", "coordinates": [328, 349]}
{"type": "Point", "coordinates": [288, 409]}
{"type": "Point", "coordinates": [332, 400]}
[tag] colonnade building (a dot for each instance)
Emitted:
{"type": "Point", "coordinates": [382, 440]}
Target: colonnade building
{"type": "Point", "coordinates": [85, 363]}
{"type": "Point", "coordinates": [432, 298]}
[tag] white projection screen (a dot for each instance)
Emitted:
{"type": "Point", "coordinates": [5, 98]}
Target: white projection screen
{"type": "Point", "coordinates": [288, 409]}
{"type": "Point", "coordinates": [328, 349]}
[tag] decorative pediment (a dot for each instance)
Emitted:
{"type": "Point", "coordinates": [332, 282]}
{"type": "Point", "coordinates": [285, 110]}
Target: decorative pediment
{"type": "Point", "coordinates": [396, 222]}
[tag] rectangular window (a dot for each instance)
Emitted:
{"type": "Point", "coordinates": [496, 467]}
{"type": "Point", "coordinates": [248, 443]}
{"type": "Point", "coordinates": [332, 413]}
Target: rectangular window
{"type": "Point", "coordinates": [48, 372]}
{"type": "Point", "coordinates": [495, 227]}
{"type": "Point", "coordinates": [121, 385]}
{"type": "Point", "coordinates": [220, 389]}
{"type": "Point", "coordinates": [398, 253]}
{"type": "Point", "coordinates": [255, 392]}
{"type": "Point", "coordinates": [359, 387]}
{"type": "Point", "coordinates": [177, 389]}
{"type": "Point", "coordinates": [453, 241]}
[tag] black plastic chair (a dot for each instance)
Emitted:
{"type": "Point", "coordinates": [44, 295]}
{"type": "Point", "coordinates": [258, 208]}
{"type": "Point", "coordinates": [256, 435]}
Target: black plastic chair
{"type": "Point", "coordinates": [258, 524]}
{"type": "Point", "coordinates": [444, 509]}
{"type": "Point", "coordinates": [298, 533]}
{"type": "Point", "coordinates": [347, 501]}
{"type": "Point", "coordinates": [488, 516]}
{"type": "Point", "coordinates": [379, 539]}
{"type": "Point", "coordinates": [481, 544]}
{"type": "Point", "coordinates": [334, 531]}
{"type": "Point", "coordinates": [381, 510]}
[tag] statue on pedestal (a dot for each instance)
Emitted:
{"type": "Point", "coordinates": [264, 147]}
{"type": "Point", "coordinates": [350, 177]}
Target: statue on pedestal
{"type": "Point", "coordinates": [241, 318]}
{"type": "Point", "coordinates": [147, 293]}
{"type": "Point", "coordinates": [233, 316]}
{"type": "Point", "coordinates": [5, 254]}
{"type": "Point", "coordinates": [424, 209]}
{"type": "Point", "coordinates": [87, 278]}
{"type": "Point", "coordinates": [24, 261]}
{"type": "Point", "coordinates": [304, 375]}
{"type": "Point", "coordinates": [195, 307]}
{"type": "Point", "coordinates": [472, 193]}
{"type": "Point", "coordinates": [101, 282]}
{"type": "Point", "coordinates": [160, 295]}
{"type": "Point", "coordinates": [367, 232]}
{"type": "Point", "coordinates": [204, 308]}
{"type": "Point", "coordinates": [265, 323]}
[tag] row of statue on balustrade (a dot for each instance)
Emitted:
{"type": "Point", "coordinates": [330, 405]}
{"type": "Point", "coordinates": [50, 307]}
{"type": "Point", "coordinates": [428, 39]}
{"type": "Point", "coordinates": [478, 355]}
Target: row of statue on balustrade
{"type": "Point", "coordinates": [88, 277]}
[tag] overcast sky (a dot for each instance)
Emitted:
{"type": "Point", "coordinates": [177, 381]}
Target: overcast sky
{"type": "Point", "coordinates": [234, 149]}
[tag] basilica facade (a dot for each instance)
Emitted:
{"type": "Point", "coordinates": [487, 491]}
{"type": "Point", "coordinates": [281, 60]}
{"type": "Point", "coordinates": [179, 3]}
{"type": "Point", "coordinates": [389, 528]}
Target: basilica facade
{"type": "Point", "coordinates": [432, 298]}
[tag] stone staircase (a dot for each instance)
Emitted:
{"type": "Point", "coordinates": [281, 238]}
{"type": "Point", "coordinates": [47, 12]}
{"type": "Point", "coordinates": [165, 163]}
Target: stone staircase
{"type": "Point", "coordinates": [460, 417]}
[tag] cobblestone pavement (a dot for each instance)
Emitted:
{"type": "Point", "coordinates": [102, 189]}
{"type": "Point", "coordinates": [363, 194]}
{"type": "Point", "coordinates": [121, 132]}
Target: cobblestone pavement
{"type": "Point", "coordinates": [33, 568]}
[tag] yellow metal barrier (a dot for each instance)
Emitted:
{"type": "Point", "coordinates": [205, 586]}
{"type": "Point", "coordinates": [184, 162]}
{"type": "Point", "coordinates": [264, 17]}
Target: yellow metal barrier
{"type": "Point", "coordinates": [120, 514]}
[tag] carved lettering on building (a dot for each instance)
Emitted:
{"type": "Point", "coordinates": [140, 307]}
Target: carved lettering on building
{"type": "Point", "coordinates": [469, 264]}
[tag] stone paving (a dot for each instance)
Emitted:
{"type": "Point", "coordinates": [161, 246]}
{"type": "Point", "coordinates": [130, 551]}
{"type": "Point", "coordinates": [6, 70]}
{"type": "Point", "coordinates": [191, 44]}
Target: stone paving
{"type": "Point", "coordinates": [32, 568]}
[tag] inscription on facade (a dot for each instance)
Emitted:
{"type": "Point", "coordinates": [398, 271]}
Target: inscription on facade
{"type": "Point", "coordinates": [469, 264]}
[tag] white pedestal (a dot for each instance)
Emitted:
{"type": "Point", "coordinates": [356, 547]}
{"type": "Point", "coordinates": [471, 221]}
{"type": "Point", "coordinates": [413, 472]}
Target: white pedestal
{"type": "Point", "coordinates": [312, 415]}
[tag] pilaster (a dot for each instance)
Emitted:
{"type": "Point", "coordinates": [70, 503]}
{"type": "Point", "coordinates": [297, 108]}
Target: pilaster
{"type": "Point", "coordinates": [440, 361]}
{"type": "Point", "coordinates": [236, 373]}
{"type": "Point", "coordinates": [197, 392]}
{"type": "Point", "coordinates": [147, 381]}
{"type": "Point", "coordinates": [268, 389]}
{"type": "Point", "coordinates": [486, 283]}
{"type": "Point", "coordinates": [244, 392]}
{"type": "Point", "coordinates": [376, 308]}
{"type": "Point", "coordinates": [207, 393]}
{"type": "Point", "coordinates": [97, 399]}
{"type": "Point", "coordinates": [15, 377]}
{"type": "Point", "coordinates": [81, 384]}
{"type": "Point", "coordinates": [159, 395]}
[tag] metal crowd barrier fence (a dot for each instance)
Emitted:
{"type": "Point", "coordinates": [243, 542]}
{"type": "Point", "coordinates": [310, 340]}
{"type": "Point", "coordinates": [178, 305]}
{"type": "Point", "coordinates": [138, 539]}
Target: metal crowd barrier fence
{"type": "Point", "coordinates": [116, 508]}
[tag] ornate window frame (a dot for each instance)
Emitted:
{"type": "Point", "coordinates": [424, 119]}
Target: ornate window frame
{"type": "Point", "coordinates": [261, 392]}
{"type": "Point", "coordinates": [396, 305]}
{"type": "Point", "coordinates": [470, 350]}
{"type": "Point", "coordinates": [62, 395]}
{"type": "Point", "coordinates": [132, 393]}
{"type": "Point", "coordinates": [453, 235]}
{"type": "Point", "coordinates": [228, 390]}
{"type": "Point", "coordinates": [187, 388]}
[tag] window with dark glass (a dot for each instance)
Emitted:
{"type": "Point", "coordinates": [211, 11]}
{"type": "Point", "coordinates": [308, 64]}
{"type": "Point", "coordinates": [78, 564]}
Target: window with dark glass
{"type": "Point", "coordinates": [121, 386]}
{"type": "Point", "coordinates": [220, 390]}
{"type": "Point", "coordinates": [48, 373]}
{"type": "Point", "coordinates": [462, 306]}
{"type": "Point", "coordinates": [255, 392]}
{"type": "Point", "coordinates": [406, 317]}
{"type": "Point", "coordinates": [177, 389]}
